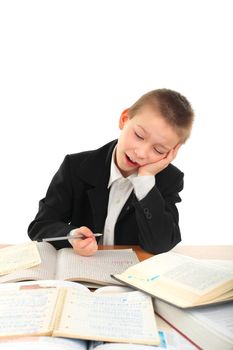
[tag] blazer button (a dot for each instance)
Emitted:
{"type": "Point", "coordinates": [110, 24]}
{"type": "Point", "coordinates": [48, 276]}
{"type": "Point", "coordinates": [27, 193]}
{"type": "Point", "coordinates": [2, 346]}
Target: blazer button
{"type": "Point", "coordinates": [147, 213]}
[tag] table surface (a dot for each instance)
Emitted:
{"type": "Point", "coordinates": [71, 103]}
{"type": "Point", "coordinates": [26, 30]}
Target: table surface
{"type": "Point", "coordinates": [196, 251]}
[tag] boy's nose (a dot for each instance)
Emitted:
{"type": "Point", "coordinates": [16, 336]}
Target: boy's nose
{"type": "Point", "coordinates": [140, 152]}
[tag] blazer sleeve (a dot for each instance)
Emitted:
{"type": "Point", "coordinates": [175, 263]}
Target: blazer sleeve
{"type": "Point", "coordinates": [157, 215]}
{"type": "Point", "coordinates": [55, 209]}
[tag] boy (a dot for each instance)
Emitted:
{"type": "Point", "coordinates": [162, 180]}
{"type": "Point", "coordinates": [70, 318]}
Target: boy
{"type": "Point", "coordinates": [126, 189]}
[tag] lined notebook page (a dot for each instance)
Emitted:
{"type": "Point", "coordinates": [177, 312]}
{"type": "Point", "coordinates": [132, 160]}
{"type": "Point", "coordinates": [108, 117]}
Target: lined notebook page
{"type": "Point", "coordinates": [18, 257]}
{"type": "Point", "coordinates": [126, 317]}
{"type": "Point", "coordinates": [95, 268]}
{"type": "Point", "coordinates": [27, 311]}
{"type": "Point", "coordinates": [46, 269]}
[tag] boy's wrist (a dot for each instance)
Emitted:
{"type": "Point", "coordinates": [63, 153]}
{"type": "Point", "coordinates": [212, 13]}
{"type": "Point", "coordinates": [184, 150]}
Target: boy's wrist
{"type": "Point", "coordinates": [142, 185]}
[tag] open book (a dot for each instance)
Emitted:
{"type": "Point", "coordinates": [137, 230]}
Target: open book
{"type": "Point", "coordinates": [64, 264]}
{"type": "Point", "coordinates": [167, 341]}
{"type": "Point", "coordinates": [209, 327]}
{"type": "Point", "coordinates": [169, 338]}
{"type": "Point", "coordinates": [182, 280]}
{"type": "Point", "coordinates": [21, 256]}
{"type": "Point", "coordinates": [72, 312]}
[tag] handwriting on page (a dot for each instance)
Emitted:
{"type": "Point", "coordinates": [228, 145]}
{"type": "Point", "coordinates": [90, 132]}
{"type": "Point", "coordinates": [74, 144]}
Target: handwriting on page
{"type": "Point", "coordinates": [124, 316]}
{"type": "Point", "coordinates": [17, 257]}
{"type": "Point", "coordinates": [98, 267]}
{"type": "Point", "coordinates": [26, 311]}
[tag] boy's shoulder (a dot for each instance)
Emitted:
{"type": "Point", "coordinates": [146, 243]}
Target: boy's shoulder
{"type": "Point", "coordinates": [171, 169]}
{"type": "Point", "coordinates": [100, 152]}
{"type": "Point", "coordinates": [92, 166]}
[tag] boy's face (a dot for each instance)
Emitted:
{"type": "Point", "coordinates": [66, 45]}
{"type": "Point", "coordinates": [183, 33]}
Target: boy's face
{"type": "Point", "coordinates": [146, 138]}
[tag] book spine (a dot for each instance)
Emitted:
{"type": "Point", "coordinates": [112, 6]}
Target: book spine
{"type": "Point", "coordinates": [59, 307]}
{"type": "Point", "coordinates": [177, 330]}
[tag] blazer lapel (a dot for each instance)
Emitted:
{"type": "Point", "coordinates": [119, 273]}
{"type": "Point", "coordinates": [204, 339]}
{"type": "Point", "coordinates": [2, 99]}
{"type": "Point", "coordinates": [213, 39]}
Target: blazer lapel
{"type": "Point", "coordinates": [98, 197]}
{"type": "Point", "coordinates": [96, 172]}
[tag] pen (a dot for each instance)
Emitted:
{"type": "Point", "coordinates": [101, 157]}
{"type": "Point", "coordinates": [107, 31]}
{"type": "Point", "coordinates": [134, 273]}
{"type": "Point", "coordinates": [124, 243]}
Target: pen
{"type": "Point", "coordinates": [68, 237]}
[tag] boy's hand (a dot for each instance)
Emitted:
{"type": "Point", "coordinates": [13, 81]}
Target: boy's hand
{"type": "Point", "coordinates": [155, 168]}
{"type": "Point", "coordinates": [86, 245]}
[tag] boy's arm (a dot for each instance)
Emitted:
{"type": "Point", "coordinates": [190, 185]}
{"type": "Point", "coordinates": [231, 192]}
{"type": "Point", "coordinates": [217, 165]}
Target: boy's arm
{"type": "Point", "coordinates": [156, 214]}
{"type": "Point", "coordinates": [55, 209]}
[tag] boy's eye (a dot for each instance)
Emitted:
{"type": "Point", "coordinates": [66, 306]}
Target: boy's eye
{"type": "Point", "coordinates": [138, 136]}
{"type": "Point", "coordinates": [158, 152]}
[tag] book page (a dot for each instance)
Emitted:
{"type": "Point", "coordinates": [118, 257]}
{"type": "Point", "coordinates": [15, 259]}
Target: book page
{"type": "Point", "coordinates": [219, 317]}
{"type": "Point", "coordinates": [27, 311]}
{"type": "Point", "coordinates": [18, 257]}
{"type": "Point", "coordinates": [42, 343]}
{"type": "Point", "coordinates": [175, 277]}
{"type": "Point", "coordinates": [46, 269]}
{"type": "Point", "coordinates": [96, 268]}
{"type": "Point", "coordinates": [109, 290]}
{"type": "Point", "coordinates": [197, 277]}
{"type": "Point", "coordinates": [225, 263]}
{"type": "Point", "coordinates": [120, 346]}
{"type": "Point", "coordinates": [127, 317]}
{"type": "Point", "coordinates": [169, 338]}
{"type": "Point", "coordinates": [42, 283]}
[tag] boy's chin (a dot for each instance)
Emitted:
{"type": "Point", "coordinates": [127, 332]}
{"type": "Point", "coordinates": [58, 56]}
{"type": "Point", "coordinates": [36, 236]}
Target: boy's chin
{"type": "Point", "coordinates": [127, 173]}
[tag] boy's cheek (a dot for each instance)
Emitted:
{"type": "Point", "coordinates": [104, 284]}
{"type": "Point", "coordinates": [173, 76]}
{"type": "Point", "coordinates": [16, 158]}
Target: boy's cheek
{"type": "Point", "coordinates": [157, 159]}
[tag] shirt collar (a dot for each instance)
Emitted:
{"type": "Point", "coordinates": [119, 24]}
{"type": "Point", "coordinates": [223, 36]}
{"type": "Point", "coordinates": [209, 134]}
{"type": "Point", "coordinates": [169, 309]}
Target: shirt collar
{"type": "Point", "coordinates": [115, 173]}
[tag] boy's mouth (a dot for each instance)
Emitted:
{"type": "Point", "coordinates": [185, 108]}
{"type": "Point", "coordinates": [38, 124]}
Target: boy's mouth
{"type": "Point", "coordinates": [131, 162]}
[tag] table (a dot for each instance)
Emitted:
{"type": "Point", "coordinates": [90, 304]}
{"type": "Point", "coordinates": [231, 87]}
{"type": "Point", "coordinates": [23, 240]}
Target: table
{"type": "Point", "coordinates": [196, 251]}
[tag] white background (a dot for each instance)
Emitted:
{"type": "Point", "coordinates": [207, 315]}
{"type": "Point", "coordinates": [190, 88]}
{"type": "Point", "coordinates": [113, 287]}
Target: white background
{"type": "Point", "coordinates": [69, 68]}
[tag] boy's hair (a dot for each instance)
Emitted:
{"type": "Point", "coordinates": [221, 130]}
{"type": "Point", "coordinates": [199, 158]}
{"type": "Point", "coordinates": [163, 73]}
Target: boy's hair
{"type": "Point", "coordinates": [172, 106]}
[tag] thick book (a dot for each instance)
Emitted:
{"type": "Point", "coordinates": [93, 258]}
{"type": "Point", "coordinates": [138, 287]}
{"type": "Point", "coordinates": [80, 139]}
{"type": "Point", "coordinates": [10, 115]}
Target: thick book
{"type": "Point", "coordinates": [181, 280]}
{"type": "Point", "coordinates": [65, 264]}
{"type": "Point", "coordinates": [78, 313]}
{"type": "Point", "coordinates": [208, 327]}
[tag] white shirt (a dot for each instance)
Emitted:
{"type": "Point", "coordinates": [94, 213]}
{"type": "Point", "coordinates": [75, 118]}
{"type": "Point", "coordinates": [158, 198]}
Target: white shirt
{"type": "Point", "coordinates": [121, 188]}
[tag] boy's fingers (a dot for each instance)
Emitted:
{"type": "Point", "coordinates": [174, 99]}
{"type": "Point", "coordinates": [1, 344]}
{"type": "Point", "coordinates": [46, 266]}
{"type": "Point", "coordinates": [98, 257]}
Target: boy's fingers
{"type": "Point", "coordinates": [85, 242]}
{"type": "Point", "coordinates": [83, 231]}
{"type": "Point", "coordinates": [176, 149]}
{"type": "Point", "coordinates": [86, 247]}
{"type": "Point", "coordinates": [173, 152]}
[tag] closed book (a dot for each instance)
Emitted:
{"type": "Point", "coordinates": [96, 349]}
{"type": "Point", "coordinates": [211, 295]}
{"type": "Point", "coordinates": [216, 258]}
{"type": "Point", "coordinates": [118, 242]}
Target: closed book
{"type": "Point", "coordinates": [208, 327]}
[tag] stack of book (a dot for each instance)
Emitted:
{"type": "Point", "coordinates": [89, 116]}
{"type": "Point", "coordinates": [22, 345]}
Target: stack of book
{"type": "Point", "coordinates": [195, 296]}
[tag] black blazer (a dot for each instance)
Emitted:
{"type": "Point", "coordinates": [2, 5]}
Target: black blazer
{"type": "Point", "coordinates": [78, 196]}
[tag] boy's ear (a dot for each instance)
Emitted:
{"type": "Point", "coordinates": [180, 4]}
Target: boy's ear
{"type": "Point", "coordinates": [123, 118]}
